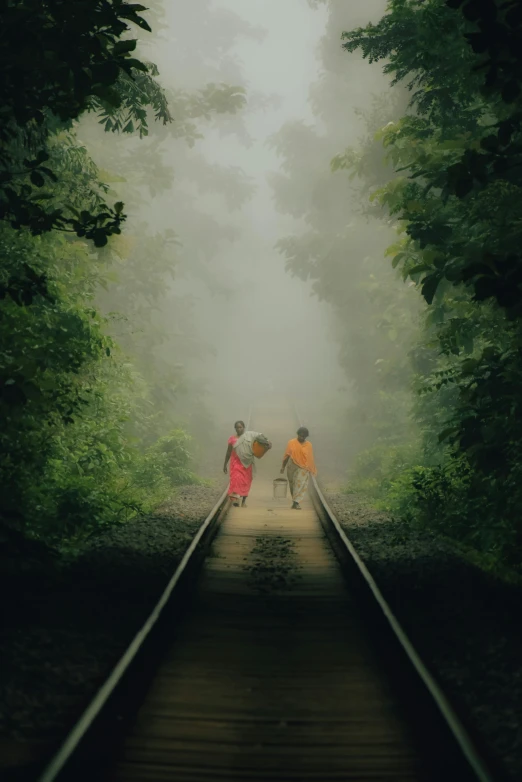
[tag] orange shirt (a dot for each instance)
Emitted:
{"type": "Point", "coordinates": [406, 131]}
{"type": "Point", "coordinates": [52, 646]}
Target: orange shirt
{"type": "Point", "coordinates": [301, 454]}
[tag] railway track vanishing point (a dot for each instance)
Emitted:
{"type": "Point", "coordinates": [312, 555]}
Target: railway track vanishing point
{"type": "Point", "coordinates": [271, 655]}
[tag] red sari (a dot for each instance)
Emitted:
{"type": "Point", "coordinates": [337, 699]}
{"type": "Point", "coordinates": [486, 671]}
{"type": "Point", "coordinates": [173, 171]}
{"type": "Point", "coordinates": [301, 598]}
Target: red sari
{"type": "Point", "coordinates": [240, 477]}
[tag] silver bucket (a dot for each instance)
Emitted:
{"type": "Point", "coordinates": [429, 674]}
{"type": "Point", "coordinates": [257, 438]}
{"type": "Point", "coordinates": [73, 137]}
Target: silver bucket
{"type": "Point", "coordinates": [280, 488]}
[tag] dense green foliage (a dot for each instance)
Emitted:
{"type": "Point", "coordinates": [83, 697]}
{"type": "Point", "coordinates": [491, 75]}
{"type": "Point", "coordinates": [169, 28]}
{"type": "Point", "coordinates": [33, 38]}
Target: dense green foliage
{"type": "Point", "coordinates": [460, 144]}
{"type": "Point", "coordinates": [440, 163]}
{"type": "Point", "coordinates": [88, 377]}
{"type": "Point", "coordinates": [57, 60]}
{"type": "Point", "coordinates": [458, 199]}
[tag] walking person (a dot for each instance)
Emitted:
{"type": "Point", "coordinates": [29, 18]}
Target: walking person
{"type": "Point", "coordinates": [299, 456]}
{"type": "Point", "coordinates": [240, 454]}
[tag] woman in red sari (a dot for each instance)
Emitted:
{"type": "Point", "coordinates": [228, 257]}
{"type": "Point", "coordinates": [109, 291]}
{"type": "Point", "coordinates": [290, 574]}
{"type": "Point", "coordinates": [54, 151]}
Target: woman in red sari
{"type": "Point", "coordinates": [240, 476]}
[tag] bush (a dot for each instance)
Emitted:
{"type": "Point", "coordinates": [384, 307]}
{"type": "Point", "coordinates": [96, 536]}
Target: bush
{"type": "Point", "coordinates": [376, 468]}
{"type": "Point", "coordinates": [453, 501]}
{"type": "Point", "coordinates": [108, 485]}
{"type": "Point", "coordinates": [164, 465]}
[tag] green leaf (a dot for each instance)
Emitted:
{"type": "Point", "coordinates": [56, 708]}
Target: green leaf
{"type": "Point", "coordinates": [429, 286]}
{"type": "Point", "coordinates": [398, 258]}
{"type": "Point", "coordinates": [99, 237]}
{"type": "Point", "coordinates": [37, 179]}
{"type": "Point", "coordinates": [469, 366]}
{"type": "Point", "coordinates": [136, 64]}
{"type": "Point", "coordinates": [135, 8]}
{"type": "Point", "coordinates": [421, 267]}
{"type": "Point", "coordinates": [122, 47]}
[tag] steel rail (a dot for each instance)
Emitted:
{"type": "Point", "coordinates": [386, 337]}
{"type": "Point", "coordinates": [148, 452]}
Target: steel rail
{"type": "Point", "coordinates": [460, 735]}
{"type": "Point", "coordinates": [58, 763]}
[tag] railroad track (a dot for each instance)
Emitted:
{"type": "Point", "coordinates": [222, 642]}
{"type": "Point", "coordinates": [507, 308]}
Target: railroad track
{"type": "Point", "coordinates": [271, 655]}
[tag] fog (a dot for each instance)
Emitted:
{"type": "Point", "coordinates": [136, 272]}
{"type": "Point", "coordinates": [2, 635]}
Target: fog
{"type": "Point", "coordinates": [239, 328]}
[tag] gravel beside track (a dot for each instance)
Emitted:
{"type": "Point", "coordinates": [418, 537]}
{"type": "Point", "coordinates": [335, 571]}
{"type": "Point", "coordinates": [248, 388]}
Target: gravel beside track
{"type": "Point", "coordinates": [65, 625]}
{"type": "Point", "coordinates": [464, 623]}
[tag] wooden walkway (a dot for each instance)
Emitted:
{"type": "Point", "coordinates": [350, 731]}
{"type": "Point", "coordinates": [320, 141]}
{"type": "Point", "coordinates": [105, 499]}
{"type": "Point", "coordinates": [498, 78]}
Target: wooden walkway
{"type": "Point", "coordinates": [271, 676]}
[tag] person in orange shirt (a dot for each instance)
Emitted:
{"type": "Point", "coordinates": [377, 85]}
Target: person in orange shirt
{"type": "Point", "coordinates": [299, 456]}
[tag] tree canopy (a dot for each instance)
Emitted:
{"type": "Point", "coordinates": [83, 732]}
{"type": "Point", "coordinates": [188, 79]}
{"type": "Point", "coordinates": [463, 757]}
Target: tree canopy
{"type": "Point", "coordinates": [59, 59]}
{"type": "Point", "coordinates": [436, 426]}
{"type": "Point", "coordinates": [90, 372]}
{"type": "Point", "coordinates": [461, 142]}
{"type": "Point", "coordinates": [456, 197]}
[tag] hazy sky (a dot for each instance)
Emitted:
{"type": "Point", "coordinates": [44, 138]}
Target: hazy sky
{"type": "Point", "coordinates": [283, 64]}
{"type": "Point", "coordinates": [273, 327]}
{"type": "Point", "coordinates": [267, 333]}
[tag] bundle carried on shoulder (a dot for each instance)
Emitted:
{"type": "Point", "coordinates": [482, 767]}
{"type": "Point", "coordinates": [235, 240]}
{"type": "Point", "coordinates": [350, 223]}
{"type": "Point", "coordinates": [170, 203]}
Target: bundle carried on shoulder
{"type": "Point", "coordinates": [260, 446]}
{"type": "Point", "coordinates": [250, 445]}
